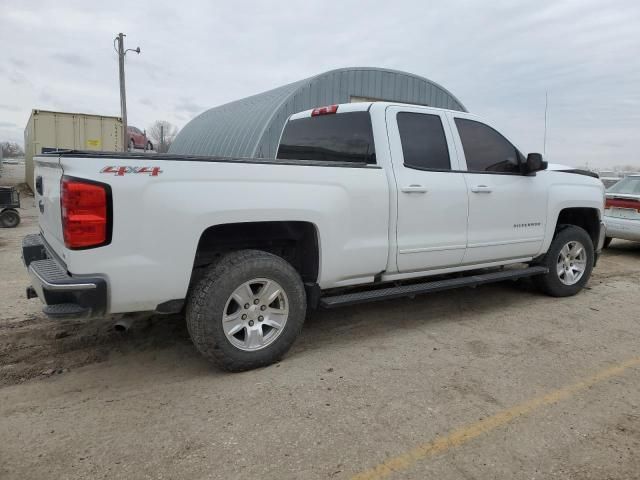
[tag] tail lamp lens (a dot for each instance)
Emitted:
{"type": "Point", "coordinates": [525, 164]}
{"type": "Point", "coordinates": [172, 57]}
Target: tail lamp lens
{"type": "Point", "coordinates": [622, 203]}
{"type": "Point", "coordinates": [85, 209]}
{"type": "Point", "coordinates": [328, 110]}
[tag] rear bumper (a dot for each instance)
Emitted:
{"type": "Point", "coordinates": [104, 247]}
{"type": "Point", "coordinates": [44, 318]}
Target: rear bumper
{"type": "Point", "coordinates": [64, 295]}
{"type": "Point", "coordinates": [622, 228]}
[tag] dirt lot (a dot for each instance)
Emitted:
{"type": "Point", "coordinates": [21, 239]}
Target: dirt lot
{"type": "Point", "coordinates": [495, 382]}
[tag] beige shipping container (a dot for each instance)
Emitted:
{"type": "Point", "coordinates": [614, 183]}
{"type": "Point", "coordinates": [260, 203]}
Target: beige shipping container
{"type": "Point", "coordinates": [48, 131]}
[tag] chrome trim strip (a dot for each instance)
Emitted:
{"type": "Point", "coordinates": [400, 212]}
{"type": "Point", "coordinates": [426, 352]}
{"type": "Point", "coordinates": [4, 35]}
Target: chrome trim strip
{"type": "Point", "coordinates": [61, 286]}
{"type": "Point", "coordinates": [433, 249]}
{"type": "Point", "coordinates": [506, 242]}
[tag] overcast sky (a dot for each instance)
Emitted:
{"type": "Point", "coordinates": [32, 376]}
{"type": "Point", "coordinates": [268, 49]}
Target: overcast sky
{"type": "Point", "coordinates": [498, 58]}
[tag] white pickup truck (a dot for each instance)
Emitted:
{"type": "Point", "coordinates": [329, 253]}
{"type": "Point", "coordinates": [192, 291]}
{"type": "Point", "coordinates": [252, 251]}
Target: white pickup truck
{"type": "Point", "coordinates": [364, 202]}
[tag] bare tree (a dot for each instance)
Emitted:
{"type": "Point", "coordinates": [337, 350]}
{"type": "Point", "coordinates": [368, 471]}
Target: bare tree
{"type": "Point", "coordinates": [162, 134]}
{"type": "Point", "coordinates": [11, 150]}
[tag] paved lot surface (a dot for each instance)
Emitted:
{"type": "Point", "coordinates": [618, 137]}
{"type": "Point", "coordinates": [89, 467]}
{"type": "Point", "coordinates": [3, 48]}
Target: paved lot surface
{"type": "Point", "coordinates": [495, 382]}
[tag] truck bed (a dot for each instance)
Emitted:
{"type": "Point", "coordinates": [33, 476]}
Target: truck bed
{"type": "Point", "coordinates": [162, 204]}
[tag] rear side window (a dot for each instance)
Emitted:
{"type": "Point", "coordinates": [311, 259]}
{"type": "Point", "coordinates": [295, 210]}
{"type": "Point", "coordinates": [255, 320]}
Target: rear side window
{"type": "Point", "coordinates": [341, 137]}
{"type": "Point", "coordinates": [485, 149]}
{"type": "Point", "coordinates": [424, 145]}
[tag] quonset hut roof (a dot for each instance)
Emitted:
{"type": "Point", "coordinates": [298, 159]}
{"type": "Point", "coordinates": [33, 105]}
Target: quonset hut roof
{"type": "Point", "coordinates": [251, 127]}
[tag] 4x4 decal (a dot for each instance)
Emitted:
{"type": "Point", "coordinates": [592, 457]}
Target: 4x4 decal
{"type": "Point", "coordinates": [121, 171]}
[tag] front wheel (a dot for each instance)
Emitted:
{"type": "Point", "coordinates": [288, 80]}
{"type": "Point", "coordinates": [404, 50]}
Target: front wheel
{"type": "Point", "coordinates": [247, 310]}
{"type": "Point", "coordinates": [607, 242]}
{"type": "Point", "coordinates": [569, 260]}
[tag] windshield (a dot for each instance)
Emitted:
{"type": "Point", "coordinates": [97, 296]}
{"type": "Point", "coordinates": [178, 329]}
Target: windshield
{"type": "Point", "coordinates": [628, 185]}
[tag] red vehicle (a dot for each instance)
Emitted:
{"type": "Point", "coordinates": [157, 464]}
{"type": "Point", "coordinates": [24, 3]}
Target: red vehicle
{"type": "Point", "coordinates": [138, 139]}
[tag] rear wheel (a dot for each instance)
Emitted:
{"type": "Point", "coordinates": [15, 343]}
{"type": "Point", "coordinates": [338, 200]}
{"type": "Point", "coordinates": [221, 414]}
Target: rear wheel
{"type": "Point", "coordinates": [247, 310]}
{"type": "Point", "coordinates": [9, 218]}
{"type": "Point", "coordinates": [569, 260]}
{"type": "Point", "coordinates": [149, 146]}
{"type": "Point", "coordinates": [132, 145]}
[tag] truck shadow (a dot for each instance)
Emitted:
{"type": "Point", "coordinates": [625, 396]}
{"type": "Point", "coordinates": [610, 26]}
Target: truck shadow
{"type": "Point", "coordinates": [380, 319]}
{"type": "Point", "coordinates": [39, 348]}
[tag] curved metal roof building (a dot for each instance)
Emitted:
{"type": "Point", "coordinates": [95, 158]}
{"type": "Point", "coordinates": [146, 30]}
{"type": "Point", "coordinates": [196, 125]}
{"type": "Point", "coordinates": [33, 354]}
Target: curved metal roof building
{"type": "Point", "coordinates": [251, 127]}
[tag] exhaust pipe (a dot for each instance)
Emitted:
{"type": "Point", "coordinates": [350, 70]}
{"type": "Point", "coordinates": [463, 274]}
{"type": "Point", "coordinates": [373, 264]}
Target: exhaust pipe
{"type": "Point", "coordinates": [122, 325]}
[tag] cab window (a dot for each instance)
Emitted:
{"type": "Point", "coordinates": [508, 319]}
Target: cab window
{"type": "Point", "coordinates": [424, 145]}
{"type": "Point", "coordinates": [341, 137]}
{"type": "Point", "coordinates": [486, 150]}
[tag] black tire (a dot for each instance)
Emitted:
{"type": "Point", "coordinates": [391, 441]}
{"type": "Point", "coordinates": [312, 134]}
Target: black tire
{"type": "Point", "coordinates": [9, 218]}
{"type": "Point", "coordinates": [550, 283]}
{"type": "Point", "coordinates": [132, 145]}
{"type": "Point", "coordinates": [208, 299]}
{"type": "Point", "coordinates": [149, 146]}
{"type": "Point", "coordinates": [607, 242]}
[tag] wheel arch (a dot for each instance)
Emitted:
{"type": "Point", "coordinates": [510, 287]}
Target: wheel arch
{"type": "Point", "coordinates": [587, 218]}
{"type": "Point", "coordinates": [298, 242]}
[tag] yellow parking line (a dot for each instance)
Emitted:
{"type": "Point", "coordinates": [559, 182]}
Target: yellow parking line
{"type": "Point", "coordinates": [465, 434]}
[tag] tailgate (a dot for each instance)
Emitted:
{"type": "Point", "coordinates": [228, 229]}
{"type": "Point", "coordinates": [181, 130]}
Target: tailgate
{"type": "Point", "coordinates": [47, 176]}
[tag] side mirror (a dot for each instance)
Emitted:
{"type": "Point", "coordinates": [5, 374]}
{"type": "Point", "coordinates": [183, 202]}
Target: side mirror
{"type": "Point", "coordinates": [535, 163]}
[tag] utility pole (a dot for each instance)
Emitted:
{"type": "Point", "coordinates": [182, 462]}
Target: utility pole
{"type": "Point", "coordinates": [123, 94]}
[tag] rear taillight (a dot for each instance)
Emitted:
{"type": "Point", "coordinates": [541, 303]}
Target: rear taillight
{"type": "Point", "coordinates": [622, 203]}
{"type": "Point", "coordinates": [85, 213]}
{"type": "Point", "coordinates": [324, 110]}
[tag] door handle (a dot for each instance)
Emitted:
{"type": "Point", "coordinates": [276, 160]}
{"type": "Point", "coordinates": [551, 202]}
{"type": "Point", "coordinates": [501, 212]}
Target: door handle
{"type": "Point", "coordinates": [414, 189]}
{"type": "Point", "coordinates": [481, 189]}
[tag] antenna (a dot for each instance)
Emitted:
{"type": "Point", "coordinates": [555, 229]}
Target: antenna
{"type": "Point", "coordinates": [546, 106]}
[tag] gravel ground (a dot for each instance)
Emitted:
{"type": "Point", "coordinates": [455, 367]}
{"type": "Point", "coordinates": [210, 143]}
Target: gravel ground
{"type": "Point", "coordinates": [362, 386]}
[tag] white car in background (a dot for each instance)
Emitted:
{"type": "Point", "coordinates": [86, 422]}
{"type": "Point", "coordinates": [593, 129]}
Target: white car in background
{"type": "Point", "coordinates": [622, 210]}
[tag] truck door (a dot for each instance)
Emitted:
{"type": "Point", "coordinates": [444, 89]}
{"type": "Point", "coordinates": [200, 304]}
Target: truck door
{"type": "Point", "coordinates": [507, 210]}
{"type": "Point", "coordinates": [431, 230]}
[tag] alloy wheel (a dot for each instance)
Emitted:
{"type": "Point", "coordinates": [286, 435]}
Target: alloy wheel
{"type": "Point", "coordinates": [255, 314]}
{"type": "Point", "coordinates": [572, 263]}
